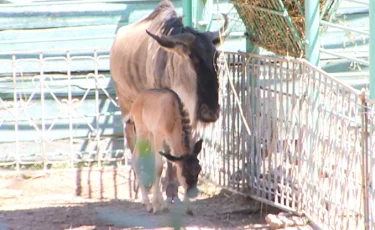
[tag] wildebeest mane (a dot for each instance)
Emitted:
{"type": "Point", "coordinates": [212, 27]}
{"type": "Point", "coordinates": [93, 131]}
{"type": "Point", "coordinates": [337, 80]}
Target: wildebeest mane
{"type": "Point", "coordinates": [171, 22]}
{"type": "Point", "coordinates": [202, 54]}
{"type": "Point", "coordinates": [185, 121]}
{"type": "Point", "coordinates": [163, 6]}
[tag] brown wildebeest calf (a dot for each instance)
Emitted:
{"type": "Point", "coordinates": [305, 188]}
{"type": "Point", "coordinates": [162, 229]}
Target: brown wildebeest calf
{"type": "Point", "coordinates": [160, 118]}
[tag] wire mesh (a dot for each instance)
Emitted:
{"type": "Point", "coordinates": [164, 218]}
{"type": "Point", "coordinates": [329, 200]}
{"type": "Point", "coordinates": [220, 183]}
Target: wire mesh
{"type": "Point", "coordinates": [289, 135]}
{"type": "Point", "coordinates": [284, 20]}
{"type": "Point", "coordinates": [56, 107]}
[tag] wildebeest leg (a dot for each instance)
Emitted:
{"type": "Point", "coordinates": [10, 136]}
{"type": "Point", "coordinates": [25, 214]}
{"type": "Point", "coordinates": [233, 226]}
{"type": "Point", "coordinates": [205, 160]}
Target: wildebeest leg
{"type": "Point", "coordinates": [137, 169]}
{"type": "Point", "coordinates": [130, 137]}
{"type": "Point", "coordinates": [129, 132]}
{"type": "Point", "coordinates": [172, 186]}
{"type": "Point", "coordinates": [157, 198]}
{"type": "Point", "coordinates": [187, 205]}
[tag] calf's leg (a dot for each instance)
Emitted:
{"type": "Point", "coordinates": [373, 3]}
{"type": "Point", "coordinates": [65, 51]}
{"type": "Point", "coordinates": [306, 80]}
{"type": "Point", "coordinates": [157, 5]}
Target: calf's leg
{"type": "Point", "coordinates": [136, 164]}
{"type": "Point", "coordinates": [157, 199]}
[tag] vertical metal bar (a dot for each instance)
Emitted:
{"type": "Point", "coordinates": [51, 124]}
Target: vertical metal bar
{"type": "Point", "coordinates": [16, 115]}
{"type": "Point", "coordinates": [261, 116]}
{"type": "Point", "coordinates": [372, 81]}
{"type": "Point", "coordinates": [372, 48]}
{"type": "Point", "coordinates": [240, 127]}
{"type": "Point", "coordinates": [312, 43]}
{"type": "Point", "coordinates": [233, 119]}
{"type": "Point", "coordinates": [280, 131]}
{"type": "Point", "coordinates": [97, 110]}
{"type": "Point", "coordinates": [42, 101]}
{"type": "Point", "coordinates": [365, 161]}
{"type": "Point", "coordinates": [252, 79]}
{"type": "Point", "coordinates": [250, 47]}
{"type": "Point", "coordinates": [372, 164]}
{"type": "Point", "coordinates": [267, 122]}
{"type": "Point", "coordinates": [71, 141]}
{"type": "Point", "coordinates": [244, 134]}
{"type": "Point", "coordinates": [187, 8]}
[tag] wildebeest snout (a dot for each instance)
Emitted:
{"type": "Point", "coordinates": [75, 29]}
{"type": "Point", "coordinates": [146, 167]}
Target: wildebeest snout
{"type": "Point", "coordinates": [208, 114]}
{"type": "Point", "coordinates": [193, 192]}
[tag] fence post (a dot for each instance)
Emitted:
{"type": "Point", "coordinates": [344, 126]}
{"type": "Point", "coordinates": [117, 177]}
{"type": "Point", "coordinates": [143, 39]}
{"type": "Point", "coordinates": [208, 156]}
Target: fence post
{"type": "Point", "coordinates": [187, 8]}
{"type": "Point", "coordinates": [372, 48]}
{"type": "Point", "coordinates": [365, 172]}
{"type": "Point", "coordinates": [312, 43]}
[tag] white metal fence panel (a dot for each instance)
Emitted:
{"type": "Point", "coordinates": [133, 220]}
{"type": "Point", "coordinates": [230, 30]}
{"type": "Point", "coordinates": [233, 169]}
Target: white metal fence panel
{"type": "Point", "coordinates": [55, 107]}
{"type": "Point", "coordinates": [290, 136]}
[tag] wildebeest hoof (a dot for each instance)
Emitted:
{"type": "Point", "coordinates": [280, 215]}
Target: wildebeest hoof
{"type": "Point", "coordinates": [158, 210]}
{"type": "Point", "coordinates": [149, 208]}
{"type": "Point", "coordinates": [189, 212]}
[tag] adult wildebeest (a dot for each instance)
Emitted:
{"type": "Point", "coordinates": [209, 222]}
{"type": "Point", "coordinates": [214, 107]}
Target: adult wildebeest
{"type": "Point", "coordinates": [160, 118]}
{"type": "Point", "coordinates": [160, 52]}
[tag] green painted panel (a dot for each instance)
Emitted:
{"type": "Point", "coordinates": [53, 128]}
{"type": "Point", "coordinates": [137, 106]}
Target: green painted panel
{"type": "Point", "coordinates": [58, 38]}
{"type": "Point", "coordinates": [74, 13]}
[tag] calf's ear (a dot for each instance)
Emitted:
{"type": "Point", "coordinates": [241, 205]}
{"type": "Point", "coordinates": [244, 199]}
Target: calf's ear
{"type": "Point", "coordinates": [197, 147]}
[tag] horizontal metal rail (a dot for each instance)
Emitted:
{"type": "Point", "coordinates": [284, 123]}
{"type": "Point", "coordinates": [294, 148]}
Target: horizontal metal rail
{"type": "Point", "coordinates": [360, 61]}
{"type": "Point", "coordinates": [58, 39]}
{"type": "Point", "coordinates": [280, 13]}
{"type": "Point", "coordinates": [325, 23]}
{"type": "Point", "coordinates": [75, 2]}
{"type": "Point", "coordinates": [360, 2]}
{"type": "Point", "coordinates": [57, 50]}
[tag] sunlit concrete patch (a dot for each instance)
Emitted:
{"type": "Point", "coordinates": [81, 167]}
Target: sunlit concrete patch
{"type": "Point", "coordinates": [123, 218]}
{"type": "Point", "coordinates": [172, 219]}
{"type": "Point", "coordinates": [3, 226]}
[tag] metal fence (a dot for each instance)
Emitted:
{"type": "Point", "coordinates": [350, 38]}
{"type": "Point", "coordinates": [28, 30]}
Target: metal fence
{"type": "Point", "coordinates": [289, 135]}
{"type": "Point", "coordinates": [58, 106]}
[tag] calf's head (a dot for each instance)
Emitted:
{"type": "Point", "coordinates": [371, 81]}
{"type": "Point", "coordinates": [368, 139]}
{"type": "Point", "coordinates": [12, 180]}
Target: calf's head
{"type": "Point", "coordinates": [188, 169]}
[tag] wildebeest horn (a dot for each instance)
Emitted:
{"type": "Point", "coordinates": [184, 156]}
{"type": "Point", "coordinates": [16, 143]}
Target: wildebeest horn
{"type": "Point", "coordinates": [215, 35]}
{"type": "Point", "coordinates": [171, 40]}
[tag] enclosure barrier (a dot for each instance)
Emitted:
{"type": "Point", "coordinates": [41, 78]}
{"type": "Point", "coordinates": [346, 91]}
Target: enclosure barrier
{"type": "Point", "coordinates": [289, 135]}
{"type": "Point", "coordinates": [58, 106]}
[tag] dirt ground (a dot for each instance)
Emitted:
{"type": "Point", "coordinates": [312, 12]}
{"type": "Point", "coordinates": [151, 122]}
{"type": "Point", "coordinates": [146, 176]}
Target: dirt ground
{"type": "Point", "coordinates": [85, 199]}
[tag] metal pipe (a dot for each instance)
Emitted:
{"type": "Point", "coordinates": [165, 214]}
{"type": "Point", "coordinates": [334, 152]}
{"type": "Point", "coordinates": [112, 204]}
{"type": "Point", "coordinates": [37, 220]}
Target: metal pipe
{"type": "Point", "coordinates": [312, 43]}
{"type": "Point", "coordinates": [16, 112]}
{"type": "Point", "coordinates": [77, 2]}
{"type": "Point", "coordinates": [360, 61]}
{"type": "Point", "coordinates": [325, 23]}
{"type": "Point", "coordinates": [372, 48]}
{"type": "Point", "coordinates": [364, 167]}
{"type": "Point", "coordinates": [372, 96]}
{"type": "Point", "coordinates": [359, 2]}
{"type": "Point", "coordinates": [280, 13]}
{"type": "Point", "coordinates": [187, 9]}
{"type": "Point", "coordinates": [57, 39]}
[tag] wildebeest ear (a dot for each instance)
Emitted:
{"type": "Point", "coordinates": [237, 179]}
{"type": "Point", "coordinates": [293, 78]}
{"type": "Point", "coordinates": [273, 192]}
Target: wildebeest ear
{"type": "Point", "coordinates": [198, 147]}
{"type": "Point", "coordinates": [170, 157]}
{"type": "Point", "coordinates": [177, 43]}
